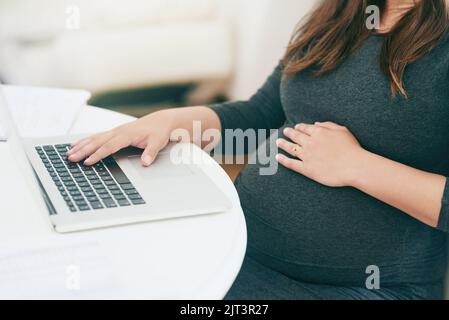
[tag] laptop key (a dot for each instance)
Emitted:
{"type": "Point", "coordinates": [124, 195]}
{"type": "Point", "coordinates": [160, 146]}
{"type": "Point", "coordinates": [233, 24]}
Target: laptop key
{"type": "Point", "coordinates": [102, 191]}
{"type": "Point", "coordinates": [135, 197]}
{"type": "Point", "coordinates": [110, 183]}
{"type": "Point", "coordinates": [131, 192]}
{"type": "Point", "coordinates": [124, 203]}
{"type": "Point", "coordinates": [84, 208]}
{"type": "Point", "coordinates": [81, 203]}
{"type": "Point", "coordinates": [138, 202]}
{"type": "Point", "coordinates": [92, 199]}
{"type": "Point", "coordinates": [109, 203]}
{"type": "Point", "coordinates": [96, 205]}
{"type": "Point", "coordinates": [119, 197]}
{"type": "Point", "coordinates": [127, 186]}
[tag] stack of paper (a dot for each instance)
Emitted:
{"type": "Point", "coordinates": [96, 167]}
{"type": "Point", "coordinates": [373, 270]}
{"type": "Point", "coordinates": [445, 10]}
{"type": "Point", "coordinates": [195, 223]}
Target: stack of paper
{"type": "Point", "coordinates": [42, 112]}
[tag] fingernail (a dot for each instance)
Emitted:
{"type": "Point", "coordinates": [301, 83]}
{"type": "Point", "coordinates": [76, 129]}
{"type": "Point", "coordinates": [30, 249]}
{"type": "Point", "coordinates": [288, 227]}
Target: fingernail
{"type": "Point", "coordinates": [69, 152]}
{"type": "Point", "coordinates": [278, 156]}
{"type": "Point", "coordinates": [278, 142]}
{"type": "Point", "coordinates": [147, 160]}
{"type": "Point", "coordinates": [88, 161]}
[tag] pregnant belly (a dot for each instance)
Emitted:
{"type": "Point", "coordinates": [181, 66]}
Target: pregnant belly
{"type": "Point", "coordinates": [316, 233]}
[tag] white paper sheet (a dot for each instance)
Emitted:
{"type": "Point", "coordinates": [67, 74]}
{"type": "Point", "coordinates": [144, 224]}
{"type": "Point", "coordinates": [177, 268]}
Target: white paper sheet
{"type": "Point", "coordinates": [2, 132]}
{"type": "Point", "coordinates": [67, 270]}
{"type": "Point", "coordinates": [43, 112]}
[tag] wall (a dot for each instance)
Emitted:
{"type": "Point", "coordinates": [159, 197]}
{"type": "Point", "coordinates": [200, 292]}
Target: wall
{"type": "Point", "coordinates": [262, 31]}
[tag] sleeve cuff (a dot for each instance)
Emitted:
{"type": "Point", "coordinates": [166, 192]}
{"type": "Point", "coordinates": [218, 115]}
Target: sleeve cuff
{"type": "Point", "coordinates": [443, 222]}
{"type": "Point", "coordinates": [221, 111]}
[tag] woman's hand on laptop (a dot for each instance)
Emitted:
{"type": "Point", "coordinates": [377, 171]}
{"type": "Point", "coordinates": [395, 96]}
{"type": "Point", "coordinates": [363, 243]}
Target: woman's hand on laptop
{"type": "Point", "coordinates": [151, 133]}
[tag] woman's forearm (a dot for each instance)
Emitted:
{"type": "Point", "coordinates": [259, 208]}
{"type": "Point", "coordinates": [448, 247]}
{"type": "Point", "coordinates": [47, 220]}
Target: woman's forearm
{"type": "Point", "coordinates": [192, 119]}
{"type": "Point", "coordinates": [412, 191]}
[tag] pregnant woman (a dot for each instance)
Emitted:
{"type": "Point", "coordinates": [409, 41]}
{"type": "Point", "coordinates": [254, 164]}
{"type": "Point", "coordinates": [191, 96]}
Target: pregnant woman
{"type": "Point", "coordinates": [359, 208]}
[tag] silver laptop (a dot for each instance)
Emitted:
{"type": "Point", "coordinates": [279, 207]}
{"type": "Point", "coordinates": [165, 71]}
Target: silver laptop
{"type": "Point", "coordinates": [116, 191]}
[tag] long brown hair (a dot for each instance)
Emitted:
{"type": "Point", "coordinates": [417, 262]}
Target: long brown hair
{"type": "Point", "coordinates": [338, 27]}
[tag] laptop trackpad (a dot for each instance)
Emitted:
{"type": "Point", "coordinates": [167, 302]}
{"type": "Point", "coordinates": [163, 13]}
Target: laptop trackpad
{"type": "Point", "coordinates": [161, 168]}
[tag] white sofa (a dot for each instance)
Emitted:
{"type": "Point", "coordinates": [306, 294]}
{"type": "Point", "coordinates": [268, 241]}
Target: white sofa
{"type": "Point", "coordinates": [118, 45]}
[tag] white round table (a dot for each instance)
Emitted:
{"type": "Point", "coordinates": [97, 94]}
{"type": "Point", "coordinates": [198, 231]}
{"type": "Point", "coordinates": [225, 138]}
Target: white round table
{"type": "Point", "coordinates": [193, 258]}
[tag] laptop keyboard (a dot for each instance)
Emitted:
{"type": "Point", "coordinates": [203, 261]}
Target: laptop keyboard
{"type": "Point", "coordinates": [84, 188]}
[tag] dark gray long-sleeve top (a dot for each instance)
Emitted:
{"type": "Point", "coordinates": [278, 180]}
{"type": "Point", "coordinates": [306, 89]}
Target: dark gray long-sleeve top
{"type": "Point", "coordinates": [318, 234]}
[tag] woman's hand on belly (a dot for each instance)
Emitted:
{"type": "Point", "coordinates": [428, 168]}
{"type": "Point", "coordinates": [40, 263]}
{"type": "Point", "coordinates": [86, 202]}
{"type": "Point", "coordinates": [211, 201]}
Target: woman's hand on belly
{"type": "Point", "coordinates": [329, 154]}
{"type": "Point", "coordinates": [324, 152]}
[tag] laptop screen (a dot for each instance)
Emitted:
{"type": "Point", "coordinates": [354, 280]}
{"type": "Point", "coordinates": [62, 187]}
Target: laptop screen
{"type": "Point", "coordinates": [15, 143]}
